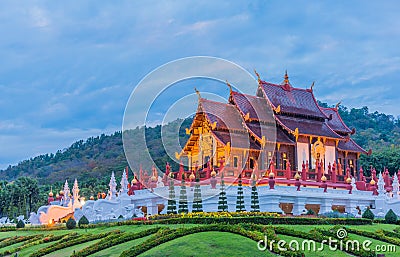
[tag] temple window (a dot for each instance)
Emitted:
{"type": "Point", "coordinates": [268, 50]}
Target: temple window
{"type": "Point", "coordinates": [235, 161]}
{"type": "Point", "coordinates": [251, 163]}
{"type": "Point", "coordinates": [284, 160]}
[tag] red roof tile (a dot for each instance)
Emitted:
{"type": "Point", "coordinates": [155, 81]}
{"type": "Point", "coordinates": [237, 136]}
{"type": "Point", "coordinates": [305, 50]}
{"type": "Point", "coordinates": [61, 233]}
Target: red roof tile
{"type": "Point", "coordinates": [226, 115]}
{"type": "Point", "coordinates": [307, 127]}
{"type": "Point", "coordinates": [336, 123]}
{"type": "Point", "coordinates": [257, 107]}
{"type": "Point", "coordinates": [292, 100]}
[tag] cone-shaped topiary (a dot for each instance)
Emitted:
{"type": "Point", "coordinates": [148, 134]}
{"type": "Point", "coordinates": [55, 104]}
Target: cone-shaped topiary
{"type": "Point", "coordinates": [255, 205]}
{"type": "Point", "coordinates": [222, 203]}
{"type": "Point", "coordinates": [83, 221]}
{"type": "Point", "coordinates": [197, 201]}
{"type": "Point", "coordinates": [368, 214]}
{"type": "Point", "coordinates": [240, 197]}
{"type": "Point", "coordinates": [183, 206]}
{"type": "Point", "coordinates": [391, 217]}
{"type": "Point", "coordinates": [171, 209]}
{"type": "Point", "coordinates": [71, 223]}
{"type": "Point", "coordinates": [20, 224]}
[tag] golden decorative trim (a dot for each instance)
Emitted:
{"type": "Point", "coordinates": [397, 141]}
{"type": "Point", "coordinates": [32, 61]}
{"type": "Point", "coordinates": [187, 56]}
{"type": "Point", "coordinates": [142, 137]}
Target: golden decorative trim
{"type": "Point", "coordinates": [278, 109]}
{"type": "Point", "coordinates": [247, 117]}
{"type": "Point", "coordinates": [187, 131]}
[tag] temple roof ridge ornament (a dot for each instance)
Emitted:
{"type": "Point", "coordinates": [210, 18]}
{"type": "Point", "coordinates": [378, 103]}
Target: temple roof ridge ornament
{"type": "Point", "coordinates": [312, 86]}
{"type": "Point", "coordinates": [230, 87]}
{"type": "Point", "coordinates": [338, 104]}
{"type": "Point", "coordinates": [198, 93]}
{"type": "Point", "coordinates": [258, 76]}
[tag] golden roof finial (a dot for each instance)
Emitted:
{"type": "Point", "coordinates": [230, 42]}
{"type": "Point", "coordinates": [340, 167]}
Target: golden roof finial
{"type": "Point", "coordinates": [198, 93]}
{"type": "Point", "coordinates": [286, 81]}
{"type": "Point", "coordinates": [337, 105]}
{"type": "Point", "coordinates": [312, 85]}
{"type": "Point", "coordinates": [230, 87]}
{"type": "Point", "coordinates": [258, 75]}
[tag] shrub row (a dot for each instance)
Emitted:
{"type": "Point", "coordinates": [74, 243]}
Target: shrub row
{"type": "Point", "coordinates": [14, 240]}
{"type": "Point", "coordinates": [317, 235]}
{"type": "Point", "coordinates": [7, 229]}
{"type": "Point", "coordinates": [212, 215]}
{"type": "Point", "coordinates": [357, 252]}
{"type": "Point", "coordinates": [114, 240]}
{"type": "Point", "coordinates": [267, 221]}
{"type": "Point", "coordinates": [165, 235]}
{"type": "Point", "coordinates": [39, 239]}
{"type": "Point", "coordinates": [378, 235]}
{"type": "Point", "coordinates": [67, 242]}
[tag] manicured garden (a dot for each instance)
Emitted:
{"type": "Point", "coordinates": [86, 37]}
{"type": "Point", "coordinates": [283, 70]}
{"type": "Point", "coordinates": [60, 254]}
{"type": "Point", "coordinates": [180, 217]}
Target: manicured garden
{"type": "Point", "coordinates": [204, 234]}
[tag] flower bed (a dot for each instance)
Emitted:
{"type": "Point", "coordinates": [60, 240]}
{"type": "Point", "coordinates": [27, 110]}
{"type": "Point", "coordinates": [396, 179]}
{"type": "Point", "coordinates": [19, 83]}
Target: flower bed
{"type": "Point", "coordinates": [265, 220]}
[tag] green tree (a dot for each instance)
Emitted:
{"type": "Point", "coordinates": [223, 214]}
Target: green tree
{"type": "Point", "coordinates": [240, 197]}
{"type": "Point", "coordinates": [255, 206]}
{"type": "Point", "coordinates": [71, 223]}
{"type": "Point", "coordinates": [391, 217]}
{"type": "Point", "coordinates": [368, 214]}
{"type": "Point", "coordinates": [197, 200]}
{"type": "Point", "coordinates": [83, 221]}
{"type": "Point", "coordinates": [222, 202]}
{"type": "Point", "coordinates": [171, 209]}
{"type": "Point", "coordinates": [183, 206]}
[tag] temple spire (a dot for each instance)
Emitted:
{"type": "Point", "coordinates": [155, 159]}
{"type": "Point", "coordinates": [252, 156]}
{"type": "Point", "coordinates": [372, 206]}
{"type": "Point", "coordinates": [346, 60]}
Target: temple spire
{"type": "Point", "coordinates": [198, 93]}
{"type": "Point", "coordinates": [258, 76]}
{"type": "Point", "coordinates": [286, 80]}
{"type": "Point", "coordinates": [230, 87]}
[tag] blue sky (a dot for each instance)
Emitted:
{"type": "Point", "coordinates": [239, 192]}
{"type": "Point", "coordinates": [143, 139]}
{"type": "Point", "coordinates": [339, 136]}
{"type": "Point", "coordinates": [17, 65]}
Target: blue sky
{"type": "Point", "coordinates": [67, 68]}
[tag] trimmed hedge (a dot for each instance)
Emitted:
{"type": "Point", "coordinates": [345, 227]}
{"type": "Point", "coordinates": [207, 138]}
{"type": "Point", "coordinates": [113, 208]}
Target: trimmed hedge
{"type": "Point", "coordinates": [20, 224]}
{"type": "Point", "coordinates": [83, 221]}
{"type": "Point", "coordinates": [368, 214]}
{"type": "Point", "coordinates": [391, 217]}
{"type": "Point", "coordinates": [71, 223]}
{"type": "Point", "coordinates": [14, 240]}
{"type": "Point", "coordinates": [68, 241]}
{"type": "Point", "coordinates": [39, 239]}
{"type": "Point", "coordinates": [113, 240]}
{"type": "Point", "coordinates": [267, 221]}
{"type": "Point", "coordinates": [165, 235]}
{"type": "Point", "coordinates": [333, 234]}
{"type": "Point", "coordinates": [378, 235]}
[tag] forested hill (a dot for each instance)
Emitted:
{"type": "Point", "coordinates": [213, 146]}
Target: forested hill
{"type": "Point", "coordinates": [98, 156]}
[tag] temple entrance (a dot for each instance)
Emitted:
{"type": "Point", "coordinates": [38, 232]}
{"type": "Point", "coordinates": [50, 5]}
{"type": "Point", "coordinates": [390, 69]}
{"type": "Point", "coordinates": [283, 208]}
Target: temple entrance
{"type": "Point", "coordinates": [287, 208]}
{"type": "Point", "coordinates": [339, 208]}
{"type": "Point", "coordinates": [314, 207]}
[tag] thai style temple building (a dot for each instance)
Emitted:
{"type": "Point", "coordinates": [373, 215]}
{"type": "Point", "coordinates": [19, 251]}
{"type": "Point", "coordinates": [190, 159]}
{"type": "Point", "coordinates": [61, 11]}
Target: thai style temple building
{"type": "Point", "coordinates": [281, 129]}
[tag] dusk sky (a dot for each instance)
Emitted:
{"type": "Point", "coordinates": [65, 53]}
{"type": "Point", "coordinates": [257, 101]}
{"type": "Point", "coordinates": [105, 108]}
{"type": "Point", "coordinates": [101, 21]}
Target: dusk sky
{"type": "Point", "coordinates": [68, 68]}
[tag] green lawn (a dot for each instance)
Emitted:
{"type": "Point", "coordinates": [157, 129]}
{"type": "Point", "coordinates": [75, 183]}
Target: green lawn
{"type": "Point", "coordinates": [115, 251]}
{"type": "Point", "coordinates": [374, 243]}
{"type": "Point", "coordinates": [208, 244]}
{"type": "Point", "coordinates": [200, 244]}
{"type": "Point", "coordinates": [326, 251]}
{"type": "Point", "coordinates": [69, 250]}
